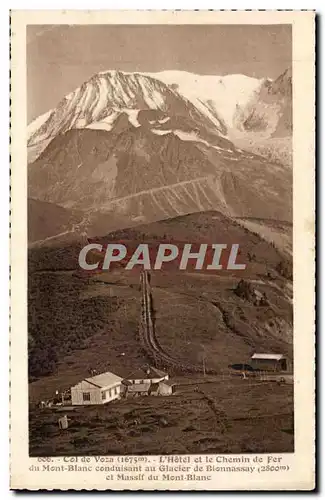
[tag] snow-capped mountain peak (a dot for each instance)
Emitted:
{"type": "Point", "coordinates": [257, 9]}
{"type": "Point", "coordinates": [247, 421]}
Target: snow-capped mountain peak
{"type": "Point", "coordinates": [98, 99]}
{"type": "Point", "coordinates": [141, 146]}
{"type": "Point", "coordinates": [216, 103]}
{"type": "Point", "coordinates": [215, 96]}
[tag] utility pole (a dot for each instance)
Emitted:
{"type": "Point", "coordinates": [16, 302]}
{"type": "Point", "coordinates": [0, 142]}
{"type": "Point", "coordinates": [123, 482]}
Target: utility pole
{"type": "Point", "coordinates": [203, 358]}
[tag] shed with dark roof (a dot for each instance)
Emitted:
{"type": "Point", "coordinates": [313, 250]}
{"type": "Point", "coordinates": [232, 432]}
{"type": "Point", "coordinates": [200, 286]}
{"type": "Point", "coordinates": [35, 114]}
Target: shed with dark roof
{"type": "Point", "coordinates": [147, 375]}
{"type": "Point", "coordinates": [269, 362]}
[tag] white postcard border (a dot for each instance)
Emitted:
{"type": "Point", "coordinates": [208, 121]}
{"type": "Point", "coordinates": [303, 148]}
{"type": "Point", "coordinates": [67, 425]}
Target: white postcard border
{"type": "Point", "coordinates": [301, 462]}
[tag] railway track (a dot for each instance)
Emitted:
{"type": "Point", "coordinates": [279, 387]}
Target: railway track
{"type": "Point", "coordinates": [149, 340]}
{"type": "Point", "coordinates": [163, 360]}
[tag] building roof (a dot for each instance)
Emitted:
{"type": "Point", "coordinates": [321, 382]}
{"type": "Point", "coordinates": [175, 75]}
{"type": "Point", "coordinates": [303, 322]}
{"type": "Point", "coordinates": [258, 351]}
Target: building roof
{"type": "Point", "coordinates": [146, 374]}
{"type": "Point", "coordinates": [276, 357]}
{"type": "Point", "coordinates": [167, 382]}
{"type": "Point", "coordinates": [139, 387]}
{"type": "Point", "coordinates": [104, 379]}
{"type": "Point", "coordinates": [126, 382]}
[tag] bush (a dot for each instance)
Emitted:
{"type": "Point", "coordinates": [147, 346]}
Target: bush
{"type": "Point", "coordinates": [244, 290]}
{"type": "Point", "coordinates": [42, 360]}
{"type": "Point", "coordinates": [284, 268]}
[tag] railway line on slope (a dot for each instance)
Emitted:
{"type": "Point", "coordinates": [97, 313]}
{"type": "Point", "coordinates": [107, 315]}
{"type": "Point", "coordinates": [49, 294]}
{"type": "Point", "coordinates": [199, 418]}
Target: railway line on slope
{"type": "Point", "coordinates": [149, 339]}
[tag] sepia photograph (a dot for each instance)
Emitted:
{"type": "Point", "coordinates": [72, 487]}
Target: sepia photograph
{"type": "Point", "coordinates": [160, 276]}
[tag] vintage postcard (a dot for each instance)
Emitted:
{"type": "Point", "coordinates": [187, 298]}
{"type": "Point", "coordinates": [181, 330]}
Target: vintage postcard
{"type": "Point", "coordinates": [162, 250]}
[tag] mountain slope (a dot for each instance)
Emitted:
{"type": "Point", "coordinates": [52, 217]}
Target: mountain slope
{"type": "Point", "coordinates": [264, 124]}
{"type": "Point", "coordinates": [209, 227]}
{"type": "Point", "coordinates": [137, 173]}
{"type": "Point", "coordinates": [47, 219]}
{"type": "Point", "coordinates": [269, 111]}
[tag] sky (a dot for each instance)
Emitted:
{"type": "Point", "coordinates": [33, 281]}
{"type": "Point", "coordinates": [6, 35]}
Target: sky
{"type": "Point", "coordinates": [61, 57]}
